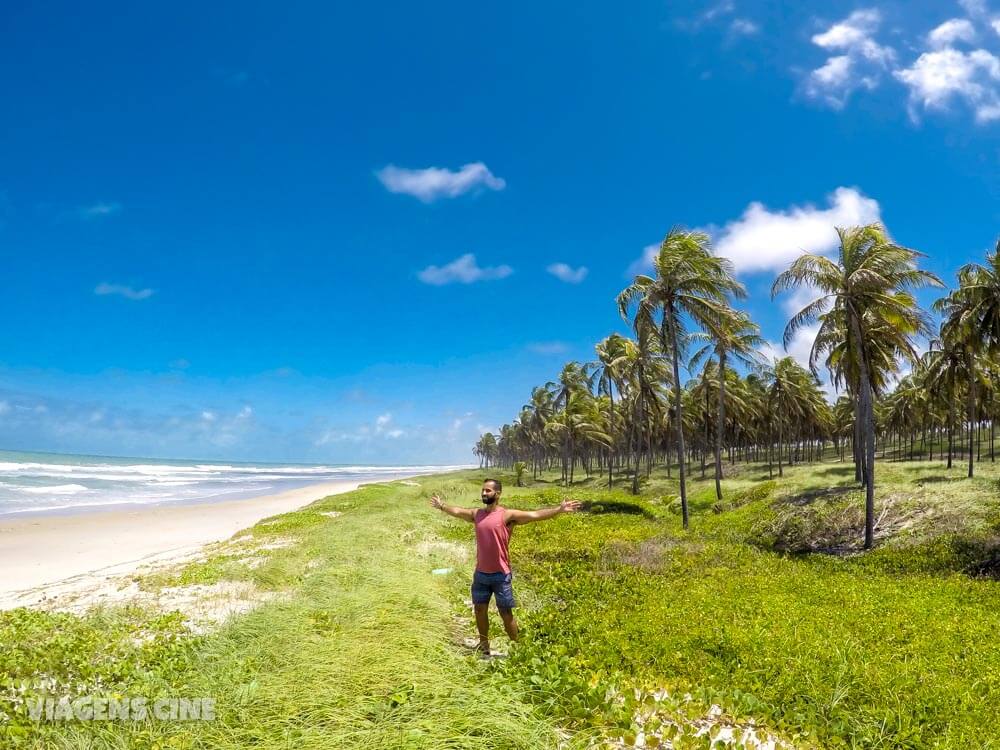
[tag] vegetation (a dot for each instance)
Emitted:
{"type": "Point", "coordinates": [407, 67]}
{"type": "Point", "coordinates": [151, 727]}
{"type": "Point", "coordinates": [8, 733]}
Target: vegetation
{"type": "Point", "coordinates": [356, 652]}
{"type": "Point", "coordinates": [612, 415]}
{"type": "Point", "coordinates": [633, 628]}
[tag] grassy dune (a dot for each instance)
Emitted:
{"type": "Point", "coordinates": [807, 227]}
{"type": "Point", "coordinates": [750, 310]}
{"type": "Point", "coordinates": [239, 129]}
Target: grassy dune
{"type": "Point", "coordinates": [764, 609]}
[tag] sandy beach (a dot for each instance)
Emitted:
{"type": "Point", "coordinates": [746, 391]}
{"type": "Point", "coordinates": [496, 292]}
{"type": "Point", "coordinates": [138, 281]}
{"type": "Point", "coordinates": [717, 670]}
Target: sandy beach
{"type": "Point", "coordinates": [46, 556]}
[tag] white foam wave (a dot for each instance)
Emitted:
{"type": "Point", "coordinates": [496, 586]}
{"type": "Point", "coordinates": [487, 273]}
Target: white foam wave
{"type": "Point", "coordinates": [58, 489]}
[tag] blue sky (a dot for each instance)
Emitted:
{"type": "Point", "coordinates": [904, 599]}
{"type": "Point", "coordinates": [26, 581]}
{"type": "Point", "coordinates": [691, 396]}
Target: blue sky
{"type": "Point", "coordinates": [363, 232]}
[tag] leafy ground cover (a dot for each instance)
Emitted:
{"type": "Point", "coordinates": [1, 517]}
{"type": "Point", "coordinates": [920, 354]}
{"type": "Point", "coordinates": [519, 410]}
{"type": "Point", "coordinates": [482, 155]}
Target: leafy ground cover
{"type": "Point", "coordinates": [358, 651]}
{"type": "Point", "coordinates": [888, 649]}
{"type": "Point", "coordinates": [765, 609]}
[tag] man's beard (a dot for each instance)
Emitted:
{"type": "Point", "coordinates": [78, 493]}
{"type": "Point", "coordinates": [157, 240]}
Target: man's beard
{"type": "Point", "coordinates": [487, 500]}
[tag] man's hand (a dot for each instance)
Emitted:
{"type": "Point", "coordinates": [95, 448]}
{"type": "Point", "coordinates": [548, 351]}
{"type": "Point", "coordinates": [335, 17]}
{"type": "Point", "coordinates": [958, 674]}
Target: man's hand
{"type": "Point", "coordinates": [466, 514]}
{"type": "Point", "coordinates": [568, 506]}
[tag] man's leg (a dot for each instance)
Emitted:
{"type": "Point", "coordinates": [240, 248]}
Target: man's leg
{"type": "Point", "coordinates": [483, 625]}
{"type": "Point", "coordinates": [504, 592]}
{"type": "Point", "coordinates": [509, 623]}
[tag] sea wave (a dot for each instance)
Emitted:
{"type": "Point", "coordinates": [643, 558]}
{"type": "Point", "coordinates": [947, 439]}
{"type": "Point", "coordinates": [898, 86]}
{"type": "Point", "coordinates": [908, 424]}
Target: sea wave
{"type": "Point", "coordinates": [30, 482]}
{"type": "Point", "coordinates": [57, 489]}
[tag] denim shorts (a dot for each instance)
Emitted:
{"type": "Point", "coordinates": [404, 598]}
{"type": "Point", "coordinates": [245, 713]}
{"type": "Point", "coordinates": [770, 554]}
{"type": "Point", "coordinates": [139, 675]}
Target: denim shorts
{"type": "Point", "coordinates": [485, 585]}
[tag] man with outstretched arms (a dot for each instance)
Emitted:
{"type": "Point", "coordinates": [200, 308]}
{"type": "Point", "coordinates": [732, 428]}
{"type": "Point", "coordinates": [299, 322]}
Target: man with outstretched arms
{"type": "Point", "coordinates": [493, 575]}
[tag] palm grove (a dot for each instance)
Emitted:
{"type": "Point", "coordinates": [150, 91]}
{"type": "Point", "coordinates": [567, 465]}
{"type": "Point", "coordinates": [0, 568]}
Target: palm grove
{"type": "Point", "coordinates": [628, 411]}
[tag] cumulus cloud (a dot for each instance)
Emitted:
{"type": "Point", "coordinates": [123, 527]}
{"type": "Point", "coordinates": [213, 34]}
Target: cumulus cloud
{"type": "Point", "coordinates": [463, 270]}
{"type": "Point", "coordinates": [121, 290]}
{"type": "Point", "coordinates": [763, 240]}
{"type": "Point", "coordinates": [567, 273]}
{"type": "Point", "coordinates": [939, 78]}
{"type": "Point", "coordinates": [798, 347]}
{"type": "Point", "coordinates": [858, 62]}
{"type": "Point", "coordinates": [433, 183]}
{"type": "Point", "coordinates": [951, 31]}
{"type": "Point", "coordinates": [644, 263]}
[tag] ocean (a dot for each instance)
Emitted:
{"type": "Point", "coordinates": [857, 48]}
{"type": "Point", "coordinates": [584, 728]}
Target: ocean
{"type": "Point", "coordinates": [55, 483]}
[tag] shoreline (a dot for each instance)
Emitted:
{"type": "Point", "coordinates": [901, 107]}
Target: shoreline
{"type": "Point", "coordinates": [47, 556]}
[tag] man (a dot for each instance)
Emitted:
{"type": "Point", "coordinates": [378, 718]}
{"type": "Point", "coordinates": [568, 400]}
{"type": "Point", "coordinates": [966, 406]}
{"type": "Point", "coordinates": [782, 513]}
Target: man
{"type": "Point", "coordinates": [493, 576]}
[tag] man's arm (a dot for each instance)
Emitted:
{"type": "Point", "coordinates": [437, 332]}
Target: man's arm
{"type": "Point", "coordinates": [527, 516]}
{"type": "Point", "coordinates": [466, 514]}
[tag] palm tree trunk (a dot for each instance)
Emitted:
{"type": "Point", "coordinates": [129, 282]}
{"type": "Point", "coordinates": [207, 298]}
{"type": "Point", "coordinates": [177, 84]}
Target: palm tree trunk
{"type": "Point", "coordinates": [611, 430]}
{"type": "Point", "coordinates": [719, 424]}
{"type": "Point", "coordinates": [668, 315]}
{"type": "Point", "coordinates": [858, 444]}
{"type": "Point", "coordinates": [951, 428]}
{"type": "Point", "coordinates": [972, 406]}
{"type": "Point", "coordinates": [868, 415]}
{"type": "Point", "coordinates": [781, 435]}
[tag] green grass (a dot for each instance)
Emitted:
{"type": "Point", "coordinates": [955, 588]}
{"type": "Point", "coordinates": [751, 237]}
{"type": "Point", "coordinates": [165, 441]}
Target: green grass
{"type": "Point", "coordinates": [358, 653]}
{"type": "Point", "coordinates": [894, 648]}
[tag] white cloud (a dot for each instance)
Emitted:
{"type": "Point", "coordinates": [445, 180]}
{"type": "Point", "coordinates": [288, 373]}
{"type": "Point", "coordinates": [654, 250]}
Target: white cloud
{"type": "Point", "coordinates": [4, 407]}
{"type": "Point", "coordinates": [762, 240]}
{"type": "Point", "coordinates": [99, 210]}
{"type": "Point", "coordinates": [384, 427]}
{"type": "Point", "coordinates": [567, 273]}
{"type": "Point", "coordinates": [798, 349]}
{"type": "Point", "coordinates": [719, 9]}
{"type": "Point", "coordinates": [435, 182]}
{"type": "Point", "coordinates": [799, 298]}
{"type": "Point", "coordinates": [831, 80]}
{"type": "Point", "coordinates": [122, 290]}
{"type": "Point", "coordinates": [975, 8]}
{"type": "Point", "coordinates": [859, 62]}
{"type": "Point", "coordinates": [854, 35]}
{"type": "Point", "coordinates": [464, 271]}
{"type": "Point", "coordinates": [363, 433]}
{"type": "Point", "coordinates": [548, 347]}
{"type": "Point", "coordinates": [713, 13]}
{"type": "Point", "coordinates": [209, 416]}
{"type": "Point", "coordinates": [938, 78]}
{"type": "Point", "coordinates": [995, 23]}
{"type": "Point", "coordinates": [951, 31]}
{"type": "Point", "coordinates": [644, 263]}
{"type": "Point", "coordinates": [744, 27]}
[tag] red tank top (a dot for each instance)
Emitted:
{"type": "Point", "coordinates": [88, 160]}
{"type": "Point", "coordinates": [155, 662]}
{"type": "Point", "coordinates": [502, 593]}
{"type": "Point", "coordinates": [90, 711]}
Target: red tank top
{"type": "Point", "coordinates": [492, 539]}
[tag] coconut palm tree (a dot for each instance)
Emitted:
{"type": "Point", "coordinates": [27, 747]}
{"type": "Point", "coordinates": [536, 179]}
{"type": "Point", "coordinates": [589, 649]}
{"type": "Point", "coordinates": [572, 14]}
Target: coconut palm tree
{"type": "Point", "coordinates": [972, 323]}
{"type": "Point", "coordinates": [611, 357]}
{"type": "Point", "coordinates": [643, 374]}
{"type": "Point", "coordinates": [732, 335]}
{"type": "Point", "coordinates": [690, 282]}
{"type": "Point", "coordinates": [867, 289]}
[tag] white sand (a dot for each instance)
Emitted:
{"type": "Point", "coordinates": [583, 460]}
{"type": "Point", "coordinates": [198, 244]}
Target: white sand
{"type": "Point", "coordinates": [49, 556]}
